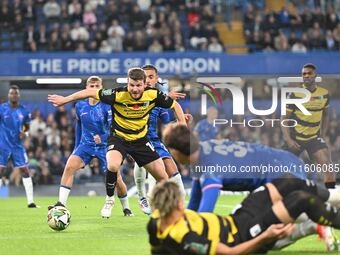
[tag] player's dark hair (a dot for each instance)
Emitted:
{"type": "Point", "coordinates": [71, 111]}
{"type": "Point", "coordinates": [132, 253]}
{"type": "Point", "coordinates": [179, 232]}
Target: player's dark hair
{"type": "Point", "coordinates": [310, 65]}
{"type": "Point", "coordinates": [182, 139]}
{"type": "Point", "coordinates": [137, 74]}
{"type": "Point", "coordinates": [15, 87]}
{"type": "Point", "coordinates": [150, 67]}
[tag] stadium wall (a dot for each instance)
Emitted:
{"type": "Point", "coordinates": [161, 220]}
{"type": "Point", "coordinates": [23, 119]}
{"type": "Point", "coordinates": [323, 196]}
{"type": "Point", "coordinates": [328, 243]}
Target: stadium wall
{"type": "Point", "coordinates": [169, 64]}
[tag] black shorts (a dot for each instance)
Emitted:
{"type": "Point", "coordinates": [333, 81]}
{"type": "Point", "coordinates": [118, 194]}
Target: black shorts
{"type": "Point", "coordinates": [140, 150]}
{"type": "Point", "coordinates": [311, 146]}
{"type": "Point", "coordinates": [249, 217]}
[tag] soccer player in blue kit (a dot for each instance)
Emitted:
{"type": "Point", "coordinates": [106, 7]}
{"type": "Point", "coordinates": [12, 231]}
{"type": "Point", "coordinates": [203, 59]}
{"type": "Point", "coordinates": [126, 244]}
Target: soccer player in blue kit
{"type": "Point", "coordinates": [205, 129]}
{"type": "Point", "coordinates": [92, 131]}
{"type": "Point", "coordinates": [14, 123]}
{"type": "Point", "coordinates": [170, 165]}
{"type": "Point", "coordinates": [236, 156]}
{"type": "Point", "coordinates": [186, 148]}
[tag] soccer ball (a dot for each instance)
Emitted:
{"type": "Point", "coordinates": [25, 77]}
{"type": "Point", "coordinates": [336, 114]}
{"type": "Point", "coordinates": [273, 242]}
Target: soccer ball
{"type": "Point", "coordinates": [58, 218]}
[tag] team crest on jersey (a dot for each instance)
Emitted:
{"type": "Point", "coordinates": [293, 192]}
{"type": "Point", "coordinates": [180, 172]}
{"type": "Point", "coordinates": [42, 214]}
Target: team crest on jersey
{"type": "Point", "coordinates": [107, 92]}
{"type": "Point", "coordinates": [146, 104]}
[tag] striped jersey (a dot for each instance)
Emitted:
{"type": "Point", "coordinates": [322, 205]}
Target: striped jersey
{"type": "Point", "coordinates": [130, 116]}
{"type": "Point", "coordinates": [309, 126]}
{"type": "Point", "coordinates": [194, 233]}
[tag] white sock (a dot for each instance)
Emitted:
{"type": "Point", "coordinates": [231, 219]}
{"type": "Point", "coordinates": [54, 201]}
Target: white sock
{"type": "Point", "coordinates": [140, 175]}
{"type": "Point", "coordinates": [151, 184]}
{"type": "Point", "coordinates": [64, 192]}
{"type": "Point", "coordinates": [28, 184]}
{"type": "Point", "coordinates": [303, 217]}
{"type": "Point", "coordinates": [110, 198]}
{"type": "Point", "coordinates": [124, 202]}
{"type": "Point", "coordinates": [334, 196]}
{"type": "Point", "coordinates": [178, 180]}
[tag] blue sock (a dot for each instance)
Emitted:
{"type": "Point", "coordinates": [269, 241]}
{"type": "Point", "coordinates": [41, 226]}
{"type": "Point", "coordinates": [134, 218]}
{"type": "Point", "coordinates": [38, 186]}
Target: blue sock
{"type": "Point", "coordinates": [195, 195]}
{"type": "Point", "coordinates": [210, 190]}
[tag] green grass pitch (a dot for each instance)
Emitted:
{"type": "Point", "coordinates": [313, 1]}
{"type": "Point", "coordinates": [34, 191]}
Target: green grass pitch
{"type": "Point", "coordinates": [25, 231]}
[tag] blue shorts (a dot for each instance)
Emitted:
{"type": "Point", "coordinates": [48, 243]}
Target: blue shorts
{"type": "Point", "coordinates": [17, 154]}
{"type": "Point", "coordinates": [86, 153]}
{"type": "Point", "coordinates": [161, 149]}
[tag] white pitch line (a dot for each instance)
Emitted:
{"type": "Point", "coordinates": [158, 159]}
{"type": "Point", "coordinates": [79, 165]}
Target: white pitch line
{"type": "Point", "coordinates": [226, 206]}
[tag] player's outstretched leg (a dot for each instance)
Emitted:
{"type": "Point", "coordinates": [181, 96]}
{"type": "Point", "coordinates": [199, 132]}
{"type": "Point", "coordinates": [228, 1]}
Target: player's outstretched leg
{"type": "Point", "coordinates": [299, 202]}
{"type": "Point", "coordinates": [290, 183]}
{"type": "Point", "coordinates": [28, 185]}
{"type": "Point", "coordinates": [74, 163]}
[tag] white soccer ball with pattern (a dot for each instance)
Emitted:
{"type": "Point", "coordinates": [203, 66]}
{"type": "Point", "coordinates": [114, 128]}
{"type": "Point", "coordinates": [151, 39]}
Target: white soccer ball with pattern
{"type": "Point", "coordinates": [58, 218]}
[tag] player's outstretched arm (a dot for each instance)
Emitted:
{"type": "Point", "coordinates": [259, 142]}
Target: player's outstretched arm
{"type": "Point", "coordinates": [286, 134]}
{"type": "Point", "coordinates": [274, 232]}
{"type": "Point", "coordinates": [179, 114]}
{"type": "Point", "coordinates": [176, 95]}
{"type": "Point", "coordinates": [57, 100]}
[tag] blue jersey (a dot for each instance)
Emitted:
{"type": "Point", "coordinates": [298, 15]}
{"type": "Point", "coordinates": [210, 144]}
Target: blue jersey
{"type": "Point", "coordinates": [235, 159]}
{"type": "Point", "coordinates": [155, 114]}
{"type": "Point", "coordinates": [231, 155]}
{"type": "Point", "coordinates": [12, 121]}
{"type": "Point", "coordinates": [205, 130]}
{"type": "Point", "coordinates": [92, 120]}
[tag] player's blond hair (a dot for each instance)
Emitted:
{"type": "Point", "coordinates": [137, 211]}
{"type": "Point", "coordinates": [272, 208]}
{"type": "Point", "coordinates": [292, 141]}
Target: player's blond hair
{"type": "Point", "coordinates": [165, 197]}
{"type": "Point", "coordinates": [93, 78]}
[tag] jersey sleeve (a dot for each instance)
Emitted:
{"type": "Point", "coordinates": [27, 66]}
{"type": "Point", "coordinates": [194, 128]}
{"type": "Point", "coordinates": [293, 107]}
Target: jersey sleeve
{"type": "Point", "coordinates": [327, 102]}
{"type": "Point", "coordinates": [107, 96]}
{"type": "Point", "coordinates": [27, 118]}
{"type": "Point", "coordinates": [108, 116]}
{"type": "Point", "coordinates": [108, 120]}
{"type": "Point", "coordinates": [164, 116]}
{"type": "Point", "coordinates": [164, 101]}
{"type": "Point", "coordinates": [77, 128]}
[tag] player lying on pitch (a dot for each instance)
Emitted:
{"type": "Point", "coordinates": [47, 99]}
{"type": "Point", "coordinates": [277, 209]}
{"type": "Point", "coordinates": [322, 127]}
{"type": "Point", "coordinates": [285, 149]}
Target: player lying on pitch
{"type": "Point", "coordinates": [187, 149]}
{"type": "Point", "coordinates": [264, 217]}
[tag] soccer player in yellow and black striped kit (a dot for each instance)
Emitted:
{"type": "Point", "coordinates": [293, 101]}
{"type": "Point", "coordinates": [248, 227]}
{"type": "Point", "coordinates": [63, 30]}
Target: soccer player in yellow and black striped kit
{"type": "Point", "coordinates": [310, 129]}
{"type": "Point", "coordinates": [263, 217]}
{"type": "Point", "coordinates": [130, 107]}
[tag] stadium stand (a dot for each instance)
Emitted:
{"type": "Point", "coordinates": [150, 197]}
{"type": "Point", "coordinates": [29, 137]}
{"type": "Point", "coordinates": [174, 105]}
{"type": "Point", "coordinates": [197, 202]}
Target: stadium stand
{"type": "Point", "coordinates": [108, 26]}
{"type": "Point", "coordinates": [161, 25]}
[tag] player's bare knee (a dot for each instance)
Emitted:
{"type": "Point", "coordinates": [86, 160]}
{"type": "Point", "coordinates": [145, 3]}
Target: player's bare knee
{"type": "Point", "coordinates": [162, 178]}
{"type": "Point", "coordinates": [112, 167]}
